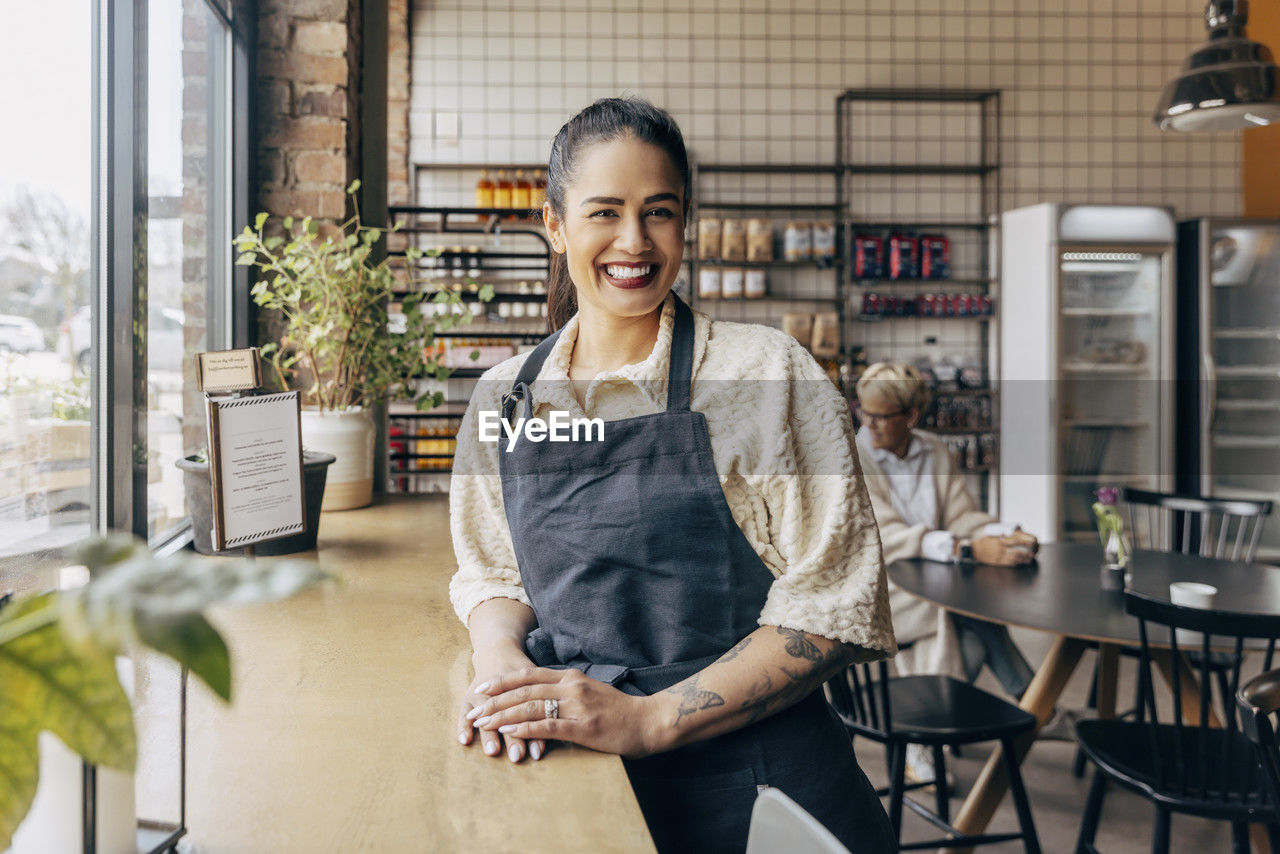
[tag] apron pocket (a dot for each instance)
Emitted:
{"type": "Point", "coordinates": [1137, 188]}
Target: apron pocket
{"type": "Point", "coordinates": [704, 814]}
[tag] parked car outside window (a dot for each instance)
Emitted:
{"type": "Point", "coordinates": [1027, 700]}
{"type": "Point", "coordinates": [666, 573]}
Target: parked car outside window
{"type": "Point", "coordinates": [19, 334]}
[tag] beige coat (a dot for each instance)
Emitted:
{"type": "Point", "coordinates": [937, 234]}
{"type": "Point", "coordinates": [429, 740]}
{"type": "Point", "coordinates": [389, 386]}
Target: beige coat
{"type": "Point", "coordinates": [934, 647]}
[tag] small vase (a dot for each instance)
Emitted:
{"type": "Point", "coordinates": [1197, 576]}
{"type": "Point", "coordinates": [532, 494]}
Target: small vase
{"type": "Point", "coordinates": [1115, 575]}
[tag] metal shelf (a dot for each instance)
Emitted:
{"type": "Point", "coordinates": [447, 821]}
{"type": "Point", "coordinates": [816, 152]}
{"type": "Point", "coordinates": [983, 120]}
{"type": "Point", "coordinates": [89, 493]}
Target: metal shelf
{"type": "Point", "coordinates": [1239, 440]}
{"type": "Point", "coordinates": [1104, 368]}
{"type": "Point", "coordinates": [917, 225]}
{"type": "Point", "coordinates": [1270, 333]}
{"type": "Point", "coordinates": [919, 169]}
{"type": "Point", "coordinates": [1263, 371]}
{"type": "Point", "coordinates": [878, 282]}
{"type": "Point", "coordinates": [1106, 312]}
{"type": "Point", "coordinates": [767, 168]}
{"type": "Point", "coordinates": [769, 298]}
{"type": "Point", "coordinates": [821, 264]}
{"type": "Point", "coordinates": [876, 318]}
{"type": "Point", "coordinates": [920, 95]}
{"type": "Point", "coordinates": [769, 206]}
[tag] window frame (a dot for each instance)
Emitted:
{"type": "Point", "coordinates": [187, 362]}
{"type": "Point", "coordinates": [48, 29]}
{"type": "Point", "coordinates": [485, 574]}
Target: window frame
{"type": "Point", "coordinates": [118, 264]}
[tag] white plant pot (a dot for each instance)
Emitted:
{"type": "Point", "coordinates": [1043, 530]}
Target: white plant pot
{"type": "Point", "coordinates": [54, 824]}
{"type": "Point", "coordinates": [348, 435]}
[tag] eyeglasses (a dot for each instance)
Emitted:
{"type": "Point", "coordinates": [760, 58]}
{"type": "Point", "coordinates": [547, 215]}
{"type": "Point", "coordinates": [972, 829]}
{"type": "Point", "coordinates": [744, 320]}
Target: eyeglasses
{"type": "Point", "coordinates": [878, 417]}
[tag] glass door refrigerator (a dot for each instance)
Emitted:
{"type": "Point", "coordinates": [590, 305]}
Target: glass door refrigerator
{"type": "Point", "coordinates": [1229, 363]}
{"type": "Point", "coordinates": [1086, 360]}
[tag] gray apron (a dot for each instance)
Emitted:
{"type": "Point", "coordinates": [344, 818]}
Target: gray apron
{"type": "Point", "coordinates": [640, 577]}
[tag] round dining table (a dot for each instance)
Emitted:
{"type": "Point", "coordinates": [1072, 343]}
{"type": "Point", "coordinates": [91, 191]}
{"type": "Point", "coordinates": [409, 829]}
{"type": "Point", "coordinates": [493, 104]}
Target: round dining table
{"type": "Point", "coordinates": [1060, 592]}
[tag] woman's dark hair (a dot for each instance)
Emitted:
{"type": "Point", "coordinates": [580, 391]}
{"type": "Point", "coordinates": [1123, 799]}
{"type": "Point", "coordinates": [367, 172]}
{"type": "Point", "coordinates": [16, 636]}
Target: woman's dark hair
{"type": "Point", "coordinates": [605, 120]}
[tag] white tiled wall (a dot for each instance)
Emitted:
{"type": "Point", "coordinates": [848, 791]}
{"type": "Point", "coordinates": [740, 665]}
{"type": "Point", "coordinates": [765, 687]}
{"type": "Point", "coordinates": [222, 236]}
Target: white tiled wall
{"type": "Point", "coordinates": [752, 81]}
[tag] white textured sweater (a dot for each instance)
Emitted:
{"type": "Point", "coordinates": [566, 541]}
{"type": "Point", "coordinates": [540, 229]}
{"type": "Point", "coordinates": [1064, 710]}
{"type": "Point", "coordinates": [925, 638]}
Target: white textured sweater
{"type": "Point", "coordinates": [783, 447]}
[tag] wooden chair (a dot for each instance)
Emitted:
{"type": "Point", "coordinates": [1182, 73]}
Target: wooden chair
{"type": "Point", "coordinates": [936, 711]}
{"type": "Point", "coordinates": [1224, 528]}
{"type": "Point", "coordinates": [1179, 766]}
{"type": "Point", "coordinates": [1259, 703]}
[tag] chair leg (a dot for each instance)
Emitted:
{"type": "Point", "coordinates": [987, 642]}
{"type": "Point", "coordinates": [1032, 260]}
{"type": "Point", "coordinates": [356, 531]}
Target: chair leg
{"type": "Point", "coordinates": [941, 795]}
{"type": "Point", "coordinates": [1092, 812]}
{"type": "Point", "coordinates": [1239, 837]}
{"type": "Point", "coordinates": [1077, 764]}
{"type": "Point", "coordinates": [897, 782]}
{"type": "Point", "coordinates": [1030, 841]}
{"type": "Point", "coordinates": [1160, 836]}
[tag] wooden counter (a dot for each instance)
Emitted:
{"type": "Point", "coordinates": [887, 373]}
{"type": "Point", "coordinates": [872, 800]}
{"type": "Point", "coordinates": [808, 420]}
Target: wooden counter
{"type": "Point", "coordinates": [341, 736]}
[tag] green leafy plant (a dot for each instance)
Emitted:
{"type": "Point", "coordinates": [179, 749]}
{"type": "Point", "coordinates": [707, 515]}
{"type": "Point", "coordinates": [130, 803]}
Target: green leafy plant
{"type": "Point", "coordinates": [58, 650]}
{"type": "Point", "coordinates": [340, 330]}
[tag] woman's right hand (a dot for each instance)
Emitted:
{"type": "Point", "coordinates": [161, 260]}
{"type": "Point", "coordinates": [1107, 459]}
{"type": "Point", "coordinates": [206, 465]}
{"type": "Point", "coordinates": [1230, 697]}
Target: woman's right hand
{"type": "Point", "coordinates": [1001, 551]}
{"type": "Point", "coordinates": [489, 663]}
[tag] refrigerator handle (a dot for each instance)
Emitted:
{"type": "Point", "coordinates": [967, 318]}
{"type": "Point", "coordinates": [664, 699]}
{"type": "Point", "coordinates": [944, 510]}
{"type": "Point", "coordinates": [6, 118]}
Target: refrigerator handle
{"type": "Point", "coordinates": [1209, 407]}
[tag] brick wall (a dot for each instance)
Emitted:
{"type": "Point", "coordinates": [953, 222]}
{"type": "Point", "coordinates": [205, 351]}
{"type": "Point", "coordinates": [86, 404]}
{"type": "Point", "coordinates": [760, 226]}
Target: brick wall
{"type": "Point", "coordinates": [308, 105]}
{"type": "Point", "coordinates": [398, 60]}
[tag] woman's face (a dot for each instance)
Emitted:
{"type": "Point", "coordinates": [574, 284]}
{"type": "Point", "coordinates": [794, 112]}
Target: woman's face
{"type": "Point", "coordinates": [623, 227]}
{"type": "Point", "coordinates": [888, 423]}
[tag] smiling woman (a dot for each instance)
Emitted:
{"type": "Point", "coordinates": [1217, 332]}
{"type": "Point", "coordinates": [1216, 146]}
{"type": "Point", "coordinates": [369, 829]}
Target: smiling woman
{"type": "Point", "coordinates": [677, 590]}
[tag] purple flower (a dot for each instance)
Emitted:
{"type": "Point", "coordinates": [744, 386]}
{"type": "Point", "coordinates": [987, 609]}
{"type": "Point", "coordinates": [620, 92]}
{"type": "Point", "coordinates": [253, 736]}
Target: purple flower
{"type": "Point", "coordinates": [1107, 495]}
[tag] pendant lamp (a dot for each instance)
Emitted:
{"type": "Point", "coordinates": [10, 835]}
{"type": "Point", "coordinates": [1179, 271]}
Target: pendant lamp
{"type": "Point", "coordinates": [1229, 83]}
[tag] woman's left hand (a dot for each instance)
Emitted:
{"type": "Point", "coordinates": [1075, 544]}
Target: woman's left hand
{"type": "Point", "coordinates": [591, 713]}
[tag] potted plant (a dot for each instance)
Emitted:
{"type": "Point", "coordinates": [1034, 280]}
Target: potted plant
{"type": "Point", "coordinates": [356, 333]}
{"type": "Point", "coordinates": [59, 650]}
{"type": "Point", "coordinates": [197, 486]}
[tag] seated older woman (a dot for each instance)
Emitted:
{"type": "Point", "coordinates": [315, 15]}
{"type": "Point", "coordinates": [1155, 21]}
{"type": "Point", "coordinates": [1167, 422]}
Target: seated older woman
{"type": "Point", "coordinates": [923, 510]}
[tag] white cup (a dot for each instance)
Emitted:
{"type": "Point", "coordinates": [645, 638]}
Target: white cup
{"type": "Point", "coordinates": [1191, 594]}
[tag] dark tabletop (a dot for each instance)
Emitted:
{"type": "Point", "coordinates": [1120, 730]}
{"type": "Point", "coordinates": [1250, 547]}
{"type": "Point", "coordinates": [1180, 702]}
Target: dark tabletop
{"type": "Point", "coordinates": [1060, 591]}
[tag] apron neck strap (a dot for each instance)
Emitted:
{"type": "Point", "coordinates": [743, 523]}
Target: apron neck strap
{"type": "Point", "coordinates": [679, 376]}
{"type": "Point", "coordinates": [680, 371]}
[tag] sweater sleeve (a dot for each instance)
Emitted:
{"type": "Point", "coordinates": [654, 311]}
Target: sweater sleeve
{"type": "Point", "coordinates": [960, 513]}
{"type": "Point", "coordinates": [833, 582]}
{"type": "Point", "coordinates": [482, 544]}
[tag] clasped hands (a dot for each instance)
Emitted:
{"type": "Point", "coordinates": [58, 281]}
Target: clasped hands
{"type": "Point", "coordinates": [591, 713]}
{"type": "Point", "coordinates": [1016, 549]}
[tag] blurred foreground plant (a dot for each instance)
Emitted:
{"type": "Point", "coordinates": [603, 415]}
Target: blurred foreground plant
{"type": "Point", "coordinates": [58, 650]}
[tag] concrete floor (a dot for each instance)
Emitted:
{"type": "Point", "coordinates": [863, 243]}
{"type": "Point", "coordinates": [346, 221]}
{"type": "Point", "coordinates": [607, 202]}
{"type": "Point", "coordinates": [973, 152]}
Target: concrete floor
{"type": "Point", "coordinates": [1057, 798]}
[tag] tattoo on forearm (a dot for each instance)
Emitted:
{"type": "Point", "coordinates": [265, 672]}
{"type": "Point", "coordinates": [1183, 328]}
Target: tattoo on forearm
{"type": "Point", "coordinates": [799, 646]}
{"type": "Point", "coordinates": [736, 649]}
{"type": "Point", "coordinates": [693, 698]}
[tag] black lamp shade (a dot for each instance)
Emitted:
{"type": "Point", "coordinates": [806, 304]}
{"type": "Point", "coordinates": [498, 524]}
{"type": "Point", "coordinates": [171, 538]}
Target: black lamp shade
{"type": "Point", "coordinates": [1229, 83]}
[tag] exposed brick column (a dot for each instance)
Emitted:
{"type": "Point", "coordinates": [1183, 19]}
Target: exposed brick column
{"type": "Point", "coordinates": [308, 117]}
{"type": "Point", "coordinates": [308, 108]}
{"type": "Point", "coordinates": [399, 57]}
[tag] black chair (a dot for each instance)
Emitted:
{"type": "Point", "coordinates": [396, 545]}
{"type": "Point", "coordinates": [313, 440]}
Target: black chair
{"type": "Point", "coordinates": [1211, 527]}
{"type": "Point", "coordinates": [1183, 767]}
{"type": "Point", "coordinates": [936, 711]}
{"type": "Point", "coordinates": [1259, 702]}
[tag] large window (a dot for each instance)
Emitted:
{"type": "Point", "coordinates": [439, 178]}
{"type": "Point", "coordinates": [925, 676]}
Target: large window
{"type": "Point", "coordinates": [124, 167]}
{"type": "Point", "coordinates": [132, 147]}
{"type": "Point", "coordinates": [46, 199]}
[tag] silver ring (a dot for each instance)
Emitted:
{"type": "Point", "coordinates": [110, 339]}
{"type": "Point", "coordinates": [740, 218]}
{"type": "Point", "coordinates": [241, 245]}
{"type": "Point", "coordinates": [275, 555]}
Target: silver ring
{"type": "Point", "coordinates": [551, 709]}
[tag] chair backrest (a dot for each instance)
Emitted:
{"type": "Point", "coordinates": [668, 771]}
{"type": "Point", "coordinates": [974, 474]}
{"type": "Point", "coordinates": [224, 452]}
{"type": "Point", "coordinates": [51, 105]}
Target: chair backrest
{"type": "Point", "coordinates": [1259, 702]}
{"type": "Point", "coordinates": [860, 696]}
{"type": "Point", "coordinates": [780, 824]}
{"type": "Point", "coordinates": [1214, 527]}
{"type": "Point", "coordinates": [1190, 757]}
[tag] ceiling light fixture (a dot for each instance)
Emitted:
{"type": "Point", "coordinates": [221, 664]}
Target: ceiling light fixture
{"type": "Point", "coordinates": [1227, 84]}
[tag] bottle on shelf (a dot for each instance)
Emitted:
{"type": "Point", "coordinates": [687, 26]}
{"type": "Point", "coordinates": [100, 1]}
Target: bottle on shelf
{"type": "Point", "coordinates": [484, 190]}
{"type": "Point", "coordinates": [521, 193]}
{"type": "Point", "coordinates": [502, 190]}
